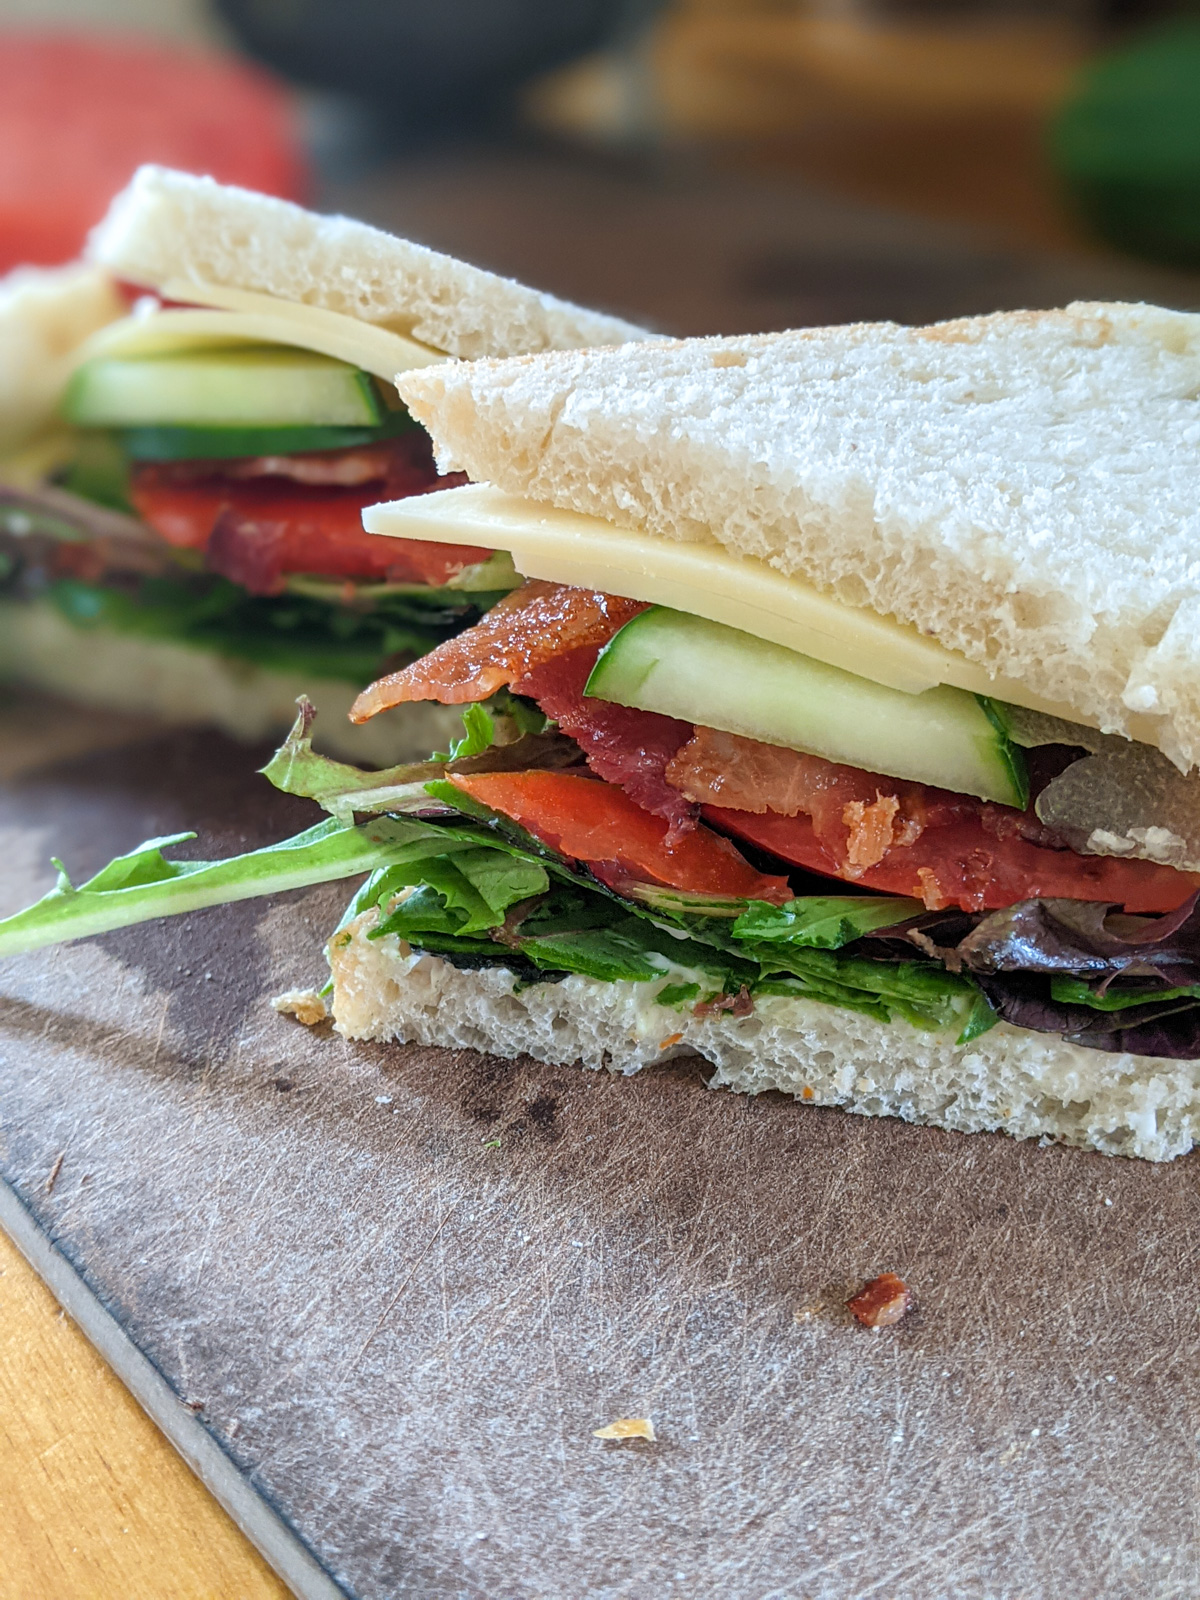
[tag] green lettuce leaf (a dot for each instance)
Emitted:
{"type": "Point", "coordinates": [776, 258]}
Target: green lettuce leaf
{"type": "Point", "coordinates": [144, 884]}
{"type": "Point", "coordinates": [465, 883]}
{"type": "Point", "coordinates": [825, 922]}
{"type": "Point", "coordinates": [293, 631]}
{"type": "Point", "coordinates": [452, 890]}
{"type": "Point", "coordinates": [1075, 992]}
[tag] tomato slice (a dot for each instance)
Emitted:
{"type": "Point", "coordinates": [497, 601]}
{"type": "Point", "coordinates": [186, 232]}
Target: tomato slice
{"type": "Point", "coordinates": [79, 111]}
{"type": "Point", "coordinates": [257, 530]}
{"type": "Point", "coordinates": [595, 822]}
{"type": "Point", "coordinates": [959, 863]}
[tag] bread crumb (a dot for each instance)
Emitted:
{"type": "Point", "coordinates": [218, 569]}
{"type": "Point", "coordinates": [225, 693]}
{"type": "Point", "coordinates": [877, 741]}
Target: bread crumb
{"type": "Point", "coordinates": [305, 1005]}
{"type": "Point", "coordinates": [627, 1428]}
{"type": "Point", "coordinates": [808, 1313]}
{"type": "Point", "coordinates": [882, 1302]}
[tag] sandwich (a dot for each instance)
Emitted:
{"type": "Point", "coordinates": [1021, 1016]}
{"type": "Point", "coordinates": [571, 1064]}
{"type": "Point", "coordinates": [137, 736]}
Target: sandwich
{"type": "Point", "coordinates": [191, 423]}
{"type": "Point", "coordinates": [843, 731]}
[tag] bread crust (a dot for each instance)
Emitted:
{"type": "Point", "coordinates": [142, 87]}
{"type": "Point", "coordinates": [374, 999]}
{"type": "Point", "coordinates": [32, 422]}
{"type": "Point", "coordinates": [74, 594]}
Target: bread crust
{"type": "Point", "coordinates": [45, 314]}
{"type": "Point", "coordinates": [1026, 1084]}
{"type": "Point", "coordinates": [170, 224]}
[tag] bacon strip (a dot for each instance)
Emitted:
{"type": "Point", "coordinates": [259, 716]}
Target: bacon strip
{"type": "Point", "coordinates": [526, 629]}
{"type": "Point", "coordinates": [903, 838]}
{"type": "Point", "coordinates": [626, 746]}
{"type": "Point", "coordinates": [857, 816]}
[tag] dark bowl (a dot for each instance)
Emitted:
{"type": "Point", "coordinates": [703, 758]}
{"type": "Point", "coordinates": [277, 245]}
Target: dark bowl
{"type": "Point", "coordinates": [423, 61]}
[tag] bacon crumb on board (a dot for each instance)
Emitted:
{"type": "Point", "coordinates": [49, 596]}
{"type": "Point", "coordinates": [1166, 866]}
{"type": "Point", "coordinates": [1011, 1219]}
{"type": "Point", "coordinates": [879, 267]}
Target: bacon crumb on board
{"type": "Point", "coordinates": [527, 628]}
{"type": "Point", "coordinates": [882, 1302]}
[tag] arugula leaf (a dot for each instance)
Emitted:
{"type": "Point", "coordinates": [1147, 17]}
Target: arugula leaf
{"type": "Point", "coordinates": [143, 885]}
{"type": "Point", "coordinates": [336, 786]}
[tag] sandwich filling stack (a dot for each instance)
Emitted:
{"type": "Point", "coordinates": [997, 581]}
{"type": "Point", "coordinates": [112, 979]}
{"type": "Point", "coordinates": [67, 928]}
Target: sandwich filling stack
{"type": "Point", "coordinates": [191, 429]}
{"type": "Point", "coordinates": [842, 729]}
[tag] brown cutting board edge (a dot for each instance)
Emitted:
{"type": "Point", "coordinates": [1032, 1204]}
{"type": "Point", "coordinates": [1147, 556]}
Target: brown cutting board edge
{"type": "Point", "coordinates": [401, 1288]}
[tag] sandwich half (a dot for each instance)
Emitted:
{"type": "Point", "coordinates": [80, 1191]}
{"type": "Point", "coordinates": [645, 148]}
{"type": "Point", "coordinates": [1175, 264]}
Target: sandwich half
{"type": "Point", "coordinates": [843, 731]}
{"type": "Point", "coordinates": [190, 427]}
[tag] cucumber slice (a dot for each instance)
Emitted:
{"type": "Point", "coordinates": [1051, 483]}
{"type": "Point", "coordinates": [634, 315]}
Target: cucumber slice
{"type": "Point", "coordinates": [700, 671]}
{"type": "Point", "coordinates": [166, 442]}
{"type": "Point", "coordinates": [249, 387]}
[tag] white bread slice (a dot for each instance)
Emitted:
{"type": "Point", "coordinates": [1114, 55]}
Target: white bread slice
{"type": "Point", "coordinates": [1026, 1084]}
{"type": "Point", "coordinates": [1023, 487]}
{"type": "Point", "coordinates": [45, 314]}
{"type": "Point", "coordinates": [186, 687]}
{"type": "Point", "coordinates": [169, 224]}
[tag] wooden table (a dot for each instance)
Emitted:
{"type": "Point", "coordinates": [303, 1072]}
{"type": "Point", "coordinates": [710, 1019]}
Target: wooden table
{"type": "Point", "coordinates": [94, 1503]}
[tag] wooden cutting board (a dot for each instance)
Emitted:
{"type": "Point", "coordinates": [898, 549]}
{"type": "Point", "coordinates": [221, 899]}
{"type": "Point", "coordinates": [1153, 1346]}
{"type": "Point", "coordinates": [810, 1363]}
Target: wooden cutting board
{"type": "Point", "coordinates": [400, 1288]}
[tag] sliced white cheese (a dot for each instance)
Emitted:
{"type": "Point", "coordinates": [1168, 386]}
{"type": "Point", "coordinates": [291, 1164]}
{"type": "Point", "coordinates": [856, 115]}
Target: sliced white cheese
{"type": "Point", "coordinates": [705, 580]}
{"type": "Point", "coordinates": [238, 316]}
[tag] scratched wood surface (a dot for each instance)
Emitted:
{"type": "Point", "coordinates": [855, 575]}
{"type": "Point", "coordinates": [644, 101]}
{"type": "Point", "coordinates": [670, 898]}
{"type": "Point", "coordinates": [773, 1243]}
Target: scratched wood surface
{"type": "Point", "coordinates": [404, 1287]}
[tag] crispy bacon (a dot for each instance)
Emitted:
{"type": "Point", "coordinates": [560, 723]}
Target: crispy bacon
{"type": "Point", "coordinates": [945, 849]}
{"type": "Point", "coordinates": [626, 746]}
{"type": "Point", "coordinates": [870, 832]}
{"type": "Point", "coordinates": [259, 518]}
{"type": "Point", "coordinates": [527, 628]}
{"type": "Point", "coordinates": [882, 1302]}
{"type": "Point", "coordinates": [857, 816]}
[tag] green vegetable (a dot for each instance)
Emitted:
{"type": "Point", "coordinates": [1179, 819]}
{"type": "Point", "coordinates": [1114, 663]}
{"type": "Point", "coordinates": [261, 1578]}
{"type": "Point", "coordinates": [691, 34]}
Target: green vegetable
{"type": "Point", "coordinates": [254, 386]}
{"type": "Point", "coordinates": [677, 994]}
{"type": "Point", "coordinates": [479, 732]}
{"type": "Point", "coordinates": [166, 442]}
{"type": "Point", "coordinates": [462, 883]}
{"type": "Point", "coordinates": [289, 632]}
{"type": "Point", "coordinates": [1075, 992]}
{"type": "Point", "coordinates": [342, 790]}
{"type": "Point", "coordinates": [144, 885]}
{"type": "Point", "coordinates": [704, 672]}
{"type": "Point", "coordinates": [825, 922]}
